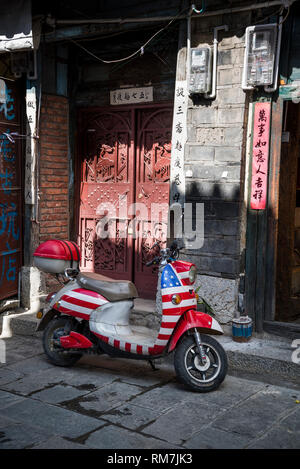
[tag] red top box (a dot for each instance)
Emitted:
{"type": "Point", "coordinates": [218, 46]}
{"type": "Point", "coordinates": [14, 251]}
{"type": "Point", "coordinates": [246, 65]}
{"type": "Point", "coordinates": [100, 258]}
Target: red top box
{"type": "Point", "coordinates": [58, 249]}
{"type": "Point", "coordinates": [56, 255]}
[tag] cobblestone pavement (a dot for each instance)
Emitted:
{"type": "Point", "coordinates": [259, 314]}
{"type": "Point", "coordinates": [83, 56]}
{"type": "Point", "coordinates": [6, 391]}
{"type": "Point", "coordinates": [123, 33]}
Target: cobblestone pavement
{"type": "Point", "coordinates": [113, 403]}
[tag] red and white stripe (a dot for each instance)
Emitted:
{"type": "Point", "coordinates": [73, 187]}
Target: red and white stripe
{"type": "Point", "coordinates": [129, 347]}
{"type": "Point", "coordinates": [170, 315]}
{"type": "Point", "coordinates": [80, 302]}
{"type": "Point", "coordinates": [182, 269]}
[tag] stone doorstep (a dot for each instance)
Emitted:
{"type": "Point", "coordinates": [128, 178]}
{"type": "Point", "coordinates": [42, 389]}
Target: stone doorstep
{"type": "Point", "coordinates": [20, 322]}
{"type": "Point", "coordinates": [266, 355]}
{"type": "Point", "coordinates": [8, 304]}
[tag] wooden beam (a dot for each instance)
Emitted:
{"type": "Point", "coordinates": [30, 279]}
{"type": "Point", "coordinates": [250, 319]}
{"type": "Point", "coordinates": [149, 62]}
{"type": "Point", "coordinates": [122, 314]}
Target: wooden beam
{"type": "Point", "coordinates": [273, 209]}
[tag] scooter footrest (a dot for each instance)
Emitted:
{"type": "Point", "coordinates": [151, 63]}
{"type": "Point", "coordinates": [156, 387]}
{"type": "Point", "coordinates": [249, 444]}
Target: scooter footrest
{"type": "Point", "coordinates": [75, 340]}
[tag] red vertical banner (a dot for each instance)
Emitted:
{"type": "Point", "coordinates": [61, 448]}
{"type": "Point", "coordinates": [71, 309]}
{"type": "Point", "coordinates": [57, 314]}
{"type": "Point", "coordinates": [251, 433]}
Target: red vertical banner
{"type": "Point", "coordinates": [260, 155]}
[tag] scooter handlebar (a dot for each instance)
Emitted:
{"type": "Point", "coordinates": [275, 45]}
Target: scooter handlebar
{"type": "Point", "coordinates": [153, 262]}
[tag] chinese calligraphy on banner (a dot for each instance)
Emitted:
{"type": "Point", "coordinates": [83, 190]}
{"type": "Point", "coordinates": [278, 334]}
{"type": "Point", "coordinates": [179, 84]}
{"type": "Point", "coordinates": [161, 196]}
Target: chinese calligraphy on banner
{"type": "Point", "coordinates": [260, 156]}
{"type": "Point", "coordinates": [179, 135]}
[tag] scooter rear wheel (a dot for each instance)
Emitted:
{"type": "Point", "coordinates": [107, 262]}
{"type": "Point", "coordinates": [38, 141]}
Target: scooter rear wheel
{"type": "Point", "coordinates": [189, 369]}
{"type": "Point", "coordinates": [55, 329]}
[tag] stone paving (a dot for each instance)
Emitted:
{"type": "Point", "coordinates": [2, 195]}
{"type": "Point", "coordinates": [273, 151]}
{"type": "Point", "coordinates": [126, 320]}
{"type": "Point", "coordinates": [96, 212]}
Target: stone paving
{"type": "Point", "coordinates": [113, 403]}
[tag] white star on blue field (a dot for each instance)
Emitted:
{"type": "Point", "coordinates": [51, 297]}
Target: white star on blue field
{"type": "Point", "coordinates": [168, 278]}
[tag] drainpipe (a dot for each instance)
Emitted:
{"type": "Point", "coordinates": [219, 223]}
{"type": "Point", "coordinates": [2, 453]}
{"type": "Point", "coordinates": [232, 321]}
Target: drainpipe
{"type": "Point", "coordinates": [189, 34]}
{"type": "Point", "coordinates": [215, 57]}
{"type": "Point", "coordinates": [212, 95]}
{"type": "Point", "coordinates": [188, 46]}
{"type": "Point", "coordinates": [270, 89]}
{"type": "Point", "coordinates": [245, 87]}
{"type": "Point", "coordinates": [254, 6]}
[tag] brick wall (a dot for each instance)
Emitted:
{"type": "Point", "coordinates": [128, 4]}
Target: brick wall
{"type": "Point", "coordinates": [54, 168]}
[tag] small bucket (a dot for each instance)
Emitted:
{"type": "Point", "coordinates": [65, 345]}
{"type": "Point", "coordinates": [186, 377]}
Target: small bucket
{"type": "Point", "coordinates": [242, 329]}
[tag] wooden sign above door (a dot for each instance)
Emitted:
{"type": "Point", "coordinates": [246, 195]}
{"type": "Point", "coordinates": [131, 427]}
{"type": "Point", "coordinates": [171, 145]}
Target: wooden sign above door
{"type": "Point", "coordinates": [131, 95]}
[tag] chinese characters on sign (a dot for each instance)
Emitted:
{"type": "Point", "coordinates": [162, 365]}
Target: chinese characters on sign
{"type": "Point", "coordinates": [178, 142]}
{"type": "Point", "coordinates": [132, 95]}
{"type": "Point", "coordinates": [260, 156]}
{"type": "Point", "coordinates": [9, 182]}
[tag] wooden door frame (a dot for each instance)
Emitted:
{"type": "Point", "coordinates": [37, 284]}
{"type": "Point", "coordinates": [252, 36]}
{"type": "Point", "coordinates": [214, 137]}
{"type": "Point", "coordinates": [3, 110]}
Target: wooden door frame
{"type": "Point", "coordinates": [291, 330]}
{"type": "Point", "coordinates": [82, 114]}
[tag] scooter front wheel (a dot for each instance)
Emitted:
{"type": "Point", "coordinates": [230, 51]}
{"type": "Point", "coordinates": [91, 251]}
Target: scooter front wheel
{"type": "Point", "coordinates": [54, 330]}
{"type": "Point", "coordinates": [198, 375]}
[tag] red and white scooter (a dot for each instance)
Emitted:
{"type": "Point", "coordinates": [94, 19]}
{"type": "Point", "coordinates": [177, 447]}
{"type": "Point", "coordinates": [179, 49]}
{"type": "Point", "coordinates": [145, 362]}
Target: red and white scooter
{"type": "Point", "coordinates": [90, 314]}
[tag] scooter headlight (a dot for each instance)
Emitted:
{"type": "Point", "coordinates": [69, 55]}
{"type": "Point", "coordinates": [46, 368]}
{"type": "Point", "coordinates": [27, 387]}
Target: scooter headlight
{"type": "Point", "coordinates": [192, 274]}
{"type": "Point", "coordinates": [176, 299]}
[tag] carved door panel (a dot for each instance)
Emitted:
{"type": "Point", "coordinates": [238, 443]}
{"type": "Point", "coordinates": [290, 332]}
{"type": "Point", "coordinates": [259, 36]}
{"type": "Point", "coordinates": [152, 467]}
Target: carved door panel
{"type": "Point", "coordinates": [106, 178]}
{"type": "Point", "coordinates": [125, 160]}
{"type": "Point", "coordinates": [153, 155]}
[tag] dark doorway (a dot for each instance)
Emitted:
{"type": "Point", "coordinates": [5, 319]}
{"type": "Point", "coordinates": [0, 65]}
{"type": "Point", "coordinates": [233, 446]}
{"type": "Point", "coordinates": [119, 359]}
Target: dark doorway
{"type": "Point", "coordinates": [288, 246]}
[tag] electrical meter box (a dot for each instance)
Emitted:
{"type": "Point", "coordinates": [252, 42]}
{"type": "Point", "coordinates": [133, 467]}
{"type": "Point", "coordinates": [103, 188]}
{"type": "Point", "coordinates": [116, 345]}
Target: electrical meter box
{"type": "Point", "coordinates": [260, 55]}
{"type": "Point", "coordinates": [200, 70]}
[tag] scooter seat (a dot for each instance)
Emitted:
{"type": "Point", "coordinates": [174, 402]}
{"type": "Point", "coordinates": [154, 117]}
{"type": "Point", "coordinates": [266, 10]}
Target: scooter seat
{"type": "Point", "coordinates": [111, 289]}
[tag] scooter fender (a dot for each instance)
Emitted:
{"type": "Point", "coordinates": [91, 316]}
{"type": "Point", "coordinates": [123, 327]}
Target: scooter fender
{"type": "Point", "coordinates": [49, 310]}
{"type": "Point", "coordinates": [191, 319]}
{"type": "Point", "coordinates": [48, 315]}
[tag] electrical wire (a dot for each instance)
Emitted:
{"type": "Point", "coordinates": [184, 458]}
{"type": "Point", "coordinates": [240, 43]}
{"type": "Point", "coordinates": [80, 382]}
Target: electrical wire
{"type": "Point", "coordinates": [159, 39]}
{"type": "Point", "coordinates": [83, 15]}
{"type": "Point", "coordinates": [108, 36]}
{"type": "Point", "coordinates": [275, 13]}
{"type": "Point", "coordinates": [140, 50]}
{"type": "Point", "coordinates": [6, 78]}
{"type": "Point", "coordinates": [288, 12]}
{"type": "Point", "coordinates": [13, 136]}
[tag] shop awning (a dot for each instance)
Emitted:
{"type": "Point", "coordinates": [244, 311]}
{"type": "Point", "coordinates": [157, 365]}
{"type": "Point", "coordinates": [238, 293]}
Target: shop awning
{"type": "Point", "coordinates": [17, 31]}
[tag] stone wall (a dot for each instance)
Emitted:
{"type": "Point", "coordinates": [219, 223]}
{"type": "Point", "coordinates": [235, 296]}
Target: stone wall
{"type": "Point", "coordinates": [214, 165]}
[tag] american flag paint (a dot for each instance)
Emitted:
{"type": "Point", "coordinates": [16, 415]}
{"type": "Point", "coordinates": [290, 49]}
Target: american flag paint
{"type": "Point", "coordinates": [80, 302]}
{"type": "Point", "coordinates": [172, 282]}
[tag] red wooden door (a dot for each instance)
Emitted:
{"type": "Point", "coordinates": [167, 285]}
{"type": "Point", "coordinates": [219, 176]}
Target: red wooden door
{"type": "Point", "coordinates": [10, 191]}
{"type": "Point", "coordinates": [125, 159]}
{"type": "Point", "coordinates": [107, 171]}
{"type": "Point", "coordinates": [153, 155]}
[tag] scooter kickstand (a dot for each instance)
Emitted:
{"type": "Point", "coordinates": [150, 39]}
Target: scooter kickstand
{"type": "Point", "coordinates": [153, 366]}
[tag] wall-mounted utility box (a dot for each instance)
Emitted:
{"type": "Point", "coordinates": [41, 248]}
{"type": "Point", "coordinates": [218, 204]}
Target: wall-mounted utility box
{"type": "Point", "coordinates": [200, 70]}
{"type": "Point", "coordinates": [24, 62]}
{"type": "Point", "coordinates": [259, 55]}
